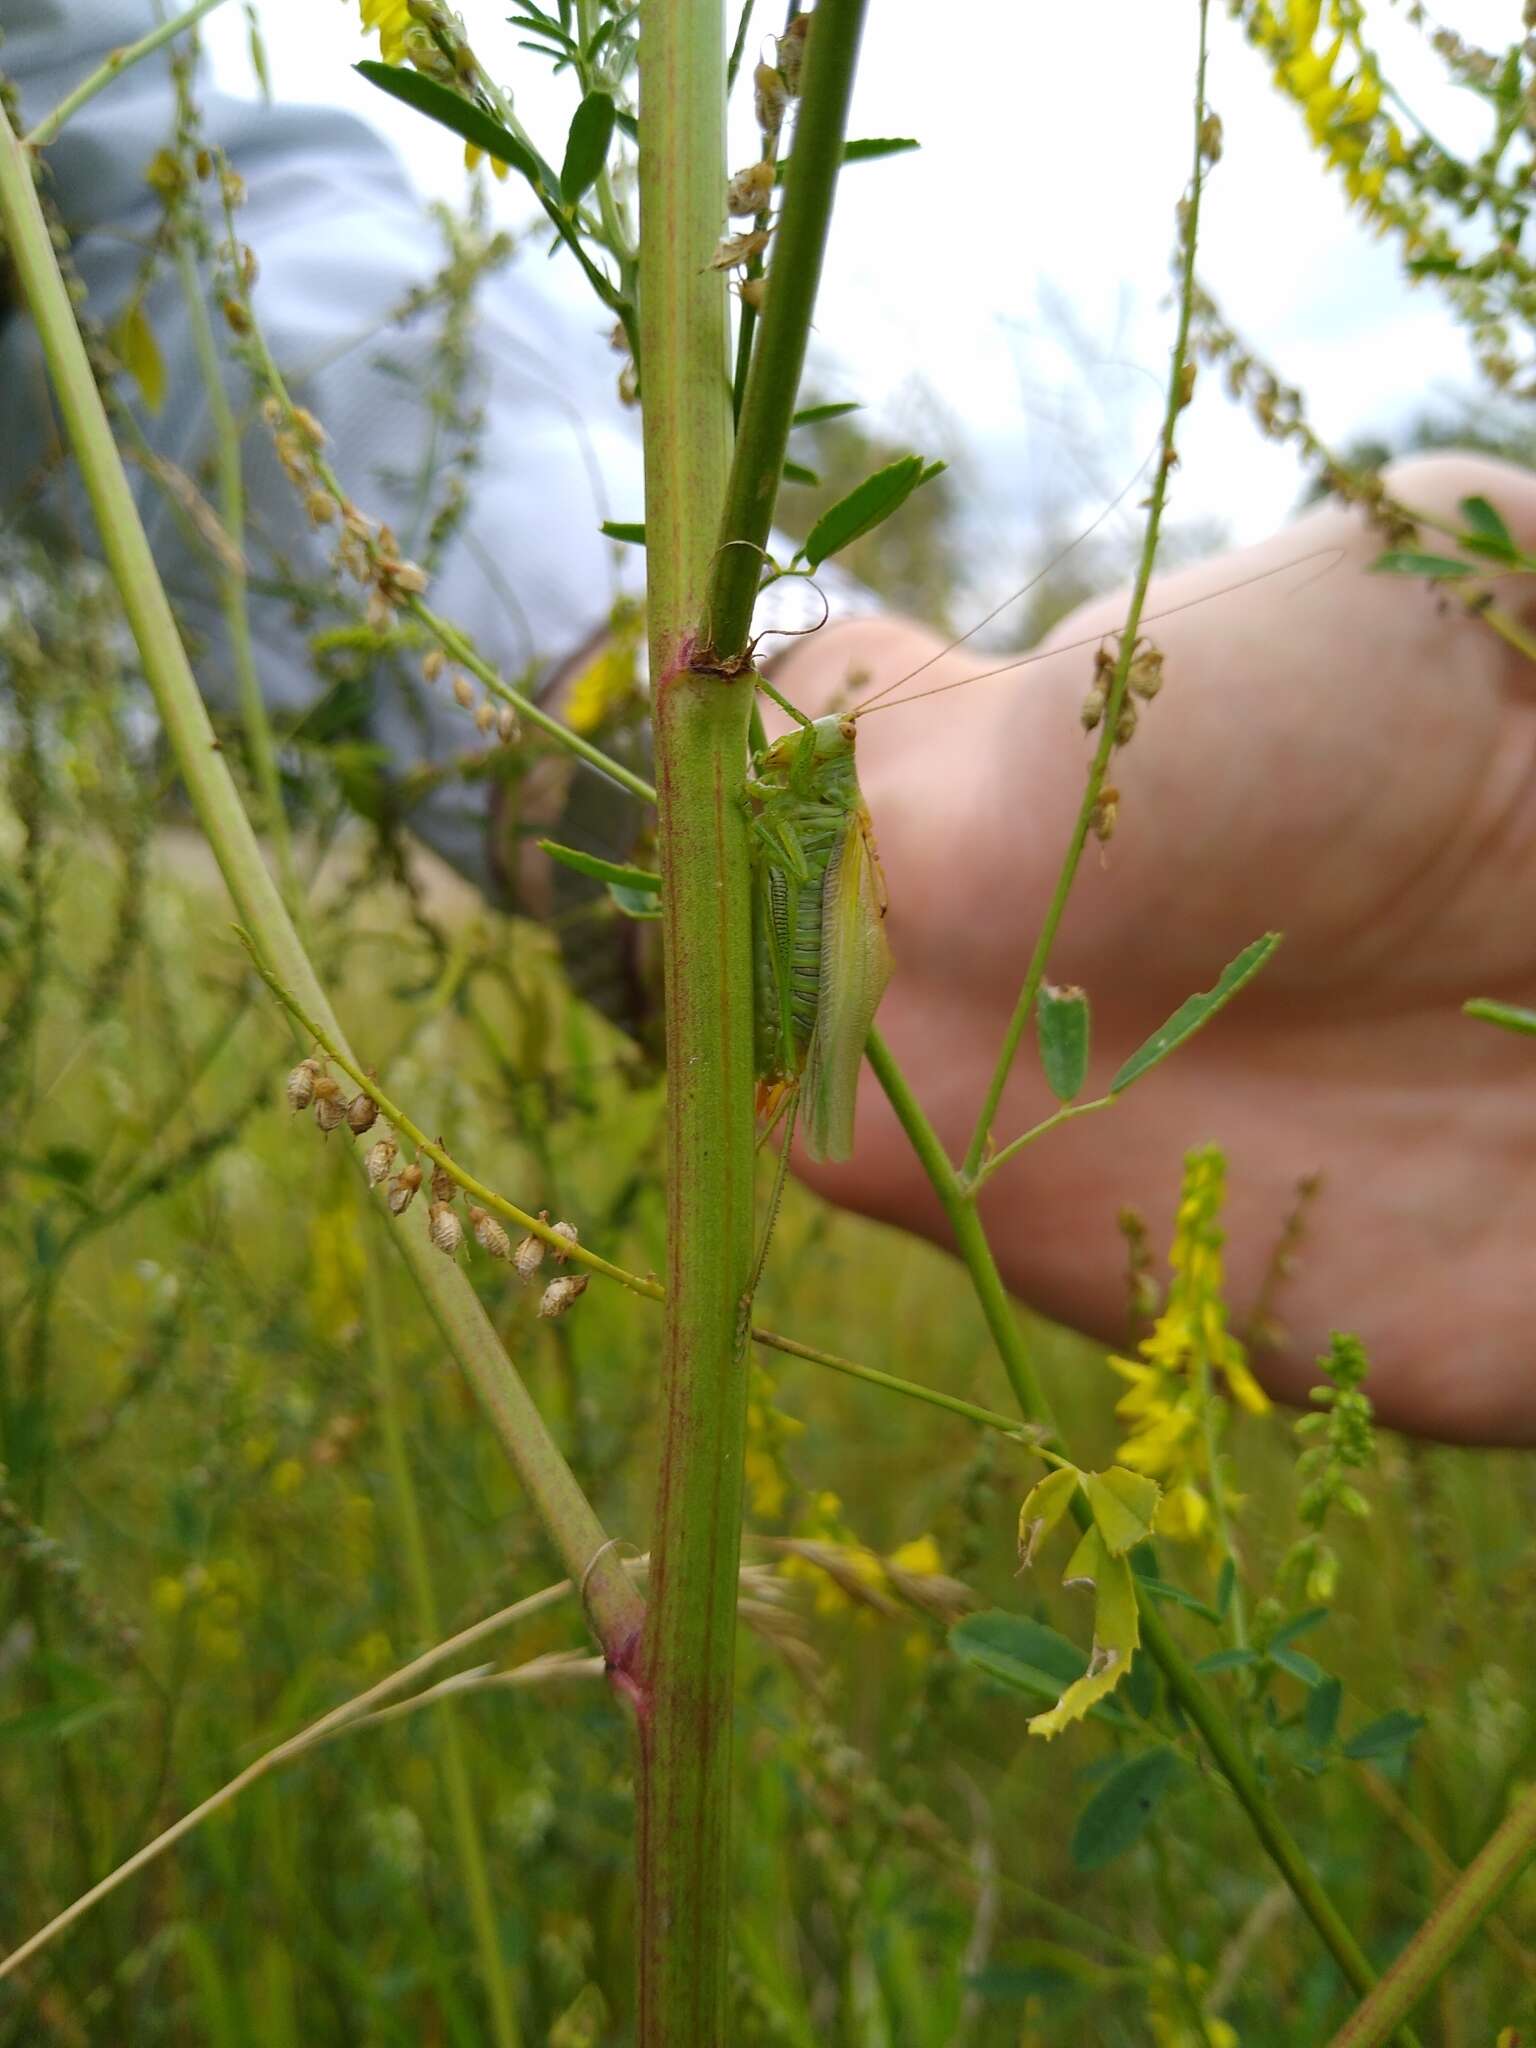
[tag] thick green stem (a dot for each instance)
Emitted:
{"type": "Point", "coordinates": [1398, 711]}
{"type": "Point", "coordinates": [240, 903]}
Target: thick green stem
{"type": "Point", "coordinates": [794, 275]}
{"type": "Point", "coordinates": [688, 1663]}
{"type": "Point", "coordinates": [615, 1608]}
{"type": "Point", "coordinates": [452, 1762]}
{"type": "Point", "coordinates": [1454, 1921]}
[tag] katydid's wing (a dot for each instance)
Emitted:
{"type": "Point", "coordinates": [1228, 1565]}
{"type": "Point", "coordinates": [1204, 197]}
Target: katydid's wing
{"type": "Point", "coordinates": [855, 967]}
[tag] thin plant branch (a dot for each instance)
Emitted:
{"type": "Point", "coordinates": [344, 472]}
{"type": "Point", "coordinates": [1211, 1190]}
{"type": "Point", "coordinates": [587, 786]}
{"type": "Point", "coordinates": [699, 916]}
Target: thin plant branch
{"type": "Point", "coordinates": [112, 68]}
{"type": "Point", "coordinates": [357, 1708]}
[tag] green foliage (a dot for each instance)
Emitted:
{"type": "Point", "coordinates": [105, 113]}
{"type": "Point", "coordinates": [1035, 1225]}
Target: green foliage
{"type": "Point", "coordinates": [1194, 1012]}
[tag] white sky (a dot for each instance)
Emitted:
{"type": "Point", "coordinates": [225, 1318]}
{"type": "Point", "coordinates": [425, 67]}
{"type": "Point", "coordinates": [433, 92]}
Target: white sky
{"type": "Point", "coordinates": [1056, 140]}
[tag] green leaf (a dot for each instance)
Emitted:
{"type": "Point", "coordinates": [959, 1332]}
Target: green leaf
{"type": "Point", "coordinates": [1299, 1666]}
{"type": "Point", "coordinates": [1123, 1505]}
{"type": "Point", "coordinates": [1116, 1632]}
{"type": "Point", "coordinates": [1409, 562]}
{"type": "Point", "coordinates": [1510, 1016]}
{"type": "Point", "coordinates": [1321, 1717]}
{"type": "Point", "coordinates": [132, 341]}
{"type": "Point", "coordinates": [613, 872]}
{"type": "Point", "coordinates": [1226, 1585]}
{"type": "Point", "coordinates": [1189, 1016]}
{"type": "Point", "coordinates": [1299, 1625]}
{"type": "Point", "coordinates": [797, 473]}
{"type": "Point", "coordinates": [1062, 1027]}
{"type": "Point", "coordinates": [1228, 1660]}
{"type": "Point", "coordinates": [441, 104]}
{"type": "Point", "coordinates": [866, 506]}
{"type": "Point", "coordinates": [634, 902]}
{"type": "Point", "coordinates": [1393, 1732]}
{"type": "Point", "coordinates": [1119, 1811]}
{"type": "Point", "coordinates": [1044, 1506]}
{"type": "Point", "coordinates": [861, 151]}
{"type": "Point", "coordinates": [812, 415]}
{"type": "Point", "coordinates": [1486, 532]}
{"type": "Point", "coordinates": [630, 530]}
{"type": "Point", "coordinates": [586, 146]}
{"type": "Point", "coordinates": [1160, 1589]}
{"type": "Point", "coordinates": [1022, 1653]}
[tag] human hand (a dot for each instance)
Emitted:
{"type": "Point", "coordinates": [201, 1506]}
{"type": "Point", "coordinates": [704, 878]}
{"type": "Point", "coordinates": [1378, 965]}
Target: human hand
{"type": "Point", "coordinates": [1342, 757]}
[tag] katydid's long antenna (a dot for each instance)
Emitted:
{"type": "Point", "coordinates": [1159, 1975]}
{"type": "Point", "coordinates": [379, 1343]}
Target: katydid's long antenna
{"type": "Point", "coordinates": [1095, 639]}
{"type": "Point", "coordinates": [1039, 577]}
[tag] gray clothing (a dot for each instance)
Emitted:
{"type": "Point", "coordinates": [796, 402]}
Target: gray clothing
{"type": "Point", "coordinates": [340, 240]}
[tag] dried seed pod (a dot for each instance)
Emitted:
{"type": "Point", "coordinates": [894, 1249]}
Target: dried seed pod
{"type": "Point", "coordinates": [792, 53]}
{"type": "Point", "coordinates": [444, 1186]}
{"type": "Point", "coordinates": [489, 1234]}
{"type": "Point", "coordinates": [752, 291]}
{"type": "Point", "coordinates": [362, 1114]}
{"type": "Point", "coordinates": [566, 1231]}
{"type": "Point", "coordinates": [1146, 673]}
{"type": "Point", "coordinates": [1093, 709]}
{"type": "Point", "coordinates": [1125, 724]}
{"type": "Point", "coordinates": [381, 1157]}
{"type": "Point", "coordinates": [769, 100]}
{"type": "Point", "coordinates": [750, 190]}
{"type": "Point", "coordinates": [507, 728]}
{"type": "Point", "coordinates": [444, 1229]}
{"type": "Point", "coordinates": [734, 249]}
{"type": "Point", "coordinates": [485, 716]}
{"type": "Point", "coordinates": [1105, 814]}
{"type": "Point", "coordinates": [300, 1087]}
{"type": "Point", "coordinates": [463, 689]}
{"type": "Point", "coordinates": [529, 1256]}
{"type": "Point", "coordinates": [559, 1294]}
{"type": "Point", "coordinates": [433, 662]}
{"type": "Point", "coordinates": [330, 1110]}
{"type": "Point", "coordinates": [402, 1189]}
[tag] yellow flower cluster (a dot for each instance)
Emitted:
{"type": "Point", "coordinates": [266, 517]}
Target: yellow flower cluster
{"type": "Point", "coordinates": [389, 20]}
{"type": "Point", "coordinates": [1343, 112]}
{"type": "Point", "coordinates": [1189, 1359]}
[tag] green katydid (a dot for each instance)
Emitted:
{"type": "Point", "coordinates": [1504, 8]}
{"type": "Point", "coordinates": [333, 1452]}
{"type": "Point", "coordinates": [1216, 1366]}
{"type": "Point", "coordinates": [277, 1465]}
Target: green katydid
{"type": "Point", "coordinates": [821, 959]}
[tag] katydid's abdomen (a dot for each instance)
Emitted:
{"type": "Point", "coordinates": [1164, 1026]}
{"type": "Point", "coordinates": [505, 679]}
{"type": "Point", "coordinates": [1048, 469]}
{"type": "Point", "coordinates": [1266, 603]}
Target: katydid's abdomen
{"type": "Point", "coordinates": [822, 961]}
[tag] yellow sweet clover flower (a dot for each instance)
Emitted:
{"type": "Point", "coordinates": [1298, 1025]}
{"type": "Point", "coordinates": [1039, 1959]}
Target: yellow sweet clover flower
{"type": "Point", "coordinates": [390, 20]}
{"type": "Point", "coordinates": [769, 1429]}
{"type": "Point", "coordinates": [1189, 1358]}
{"type": "Point", "coordinates": [473, 156]}
{"type": "Point", "coordinates": [920, 1557]}
{"type": "Point", "coordinates": [168, 1596]}
{"type": "Point", "coordinates": [1343, 114]}
{"type": "Point", "coordinates": [1174, 2011]}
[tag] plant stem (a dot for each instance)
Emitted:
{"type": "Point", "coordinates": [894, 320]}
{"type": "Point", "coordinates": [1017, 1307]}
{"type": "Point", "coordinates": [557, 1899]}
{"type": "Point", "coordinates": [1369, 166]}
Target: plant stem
{"type": "Point", "coordinates": [113, 66]}
{"type": "Point", "coordinates": [1183, 1682]}
{"type": "Point", "coordinates": [613, 1605]}
{"type": "Point", "coordinates": [1177, 399]}
{"type": "Point", "coordinates": [232, 580]}
{"type": "Point", "coordinates": [1023, 1433]}
{"type": "Point", "coordinates": [773, 380]}
{"type": "Point", "coordinates": [349, 1710]}
{"type": "Point", "coordinates": [310, 1028]}
{"type": "Point", "coordinates": [453, 1765]}
{"type": "Point", "coordinates": [1453, 1922]}
{"type": "Point", "coordinates": [688, 1660]}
